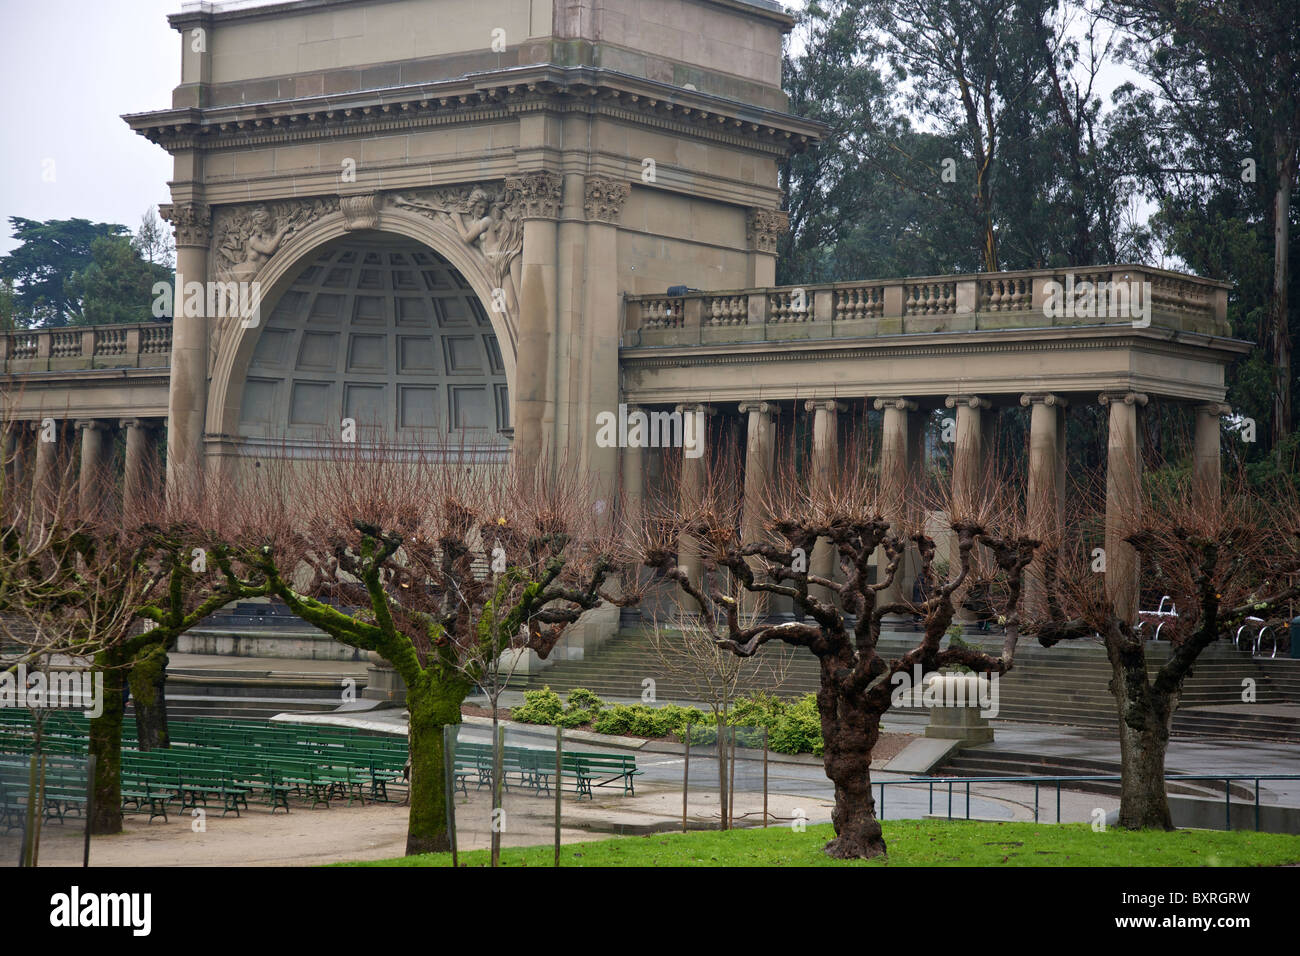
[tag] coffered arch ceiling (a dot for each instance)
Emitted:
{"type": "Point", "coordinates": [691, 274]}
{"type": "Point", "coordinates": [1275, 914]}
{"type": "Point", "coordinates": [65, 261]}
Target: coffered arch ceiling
{"type": "Point", "coordinates": [384, 331]}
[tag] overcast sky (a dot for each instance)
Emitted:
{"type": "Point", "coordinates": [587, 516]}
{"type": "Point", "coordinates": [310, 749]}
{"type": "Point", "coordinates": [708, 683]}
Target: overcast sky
{"type": "Point", "coordinates": [68, 70]}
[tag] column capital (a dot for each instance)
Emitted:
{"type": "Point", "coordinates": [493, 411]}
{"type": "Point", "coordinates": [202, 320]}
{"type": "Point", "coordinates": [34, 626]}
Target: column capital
{"type": "Point", "coordinates": [538, 194]}
{"type": "Point", "coordinates": [603, 198]}
{"type": "Point", "coordinates": [901, 404]}
{"type": "Point", "coordinates": [1043, 398]}
{"type": "Point", "coordinates": [94, 424]}
{"type": "Point", "coordinates": [763, 408]}
{"type": "Point", "coordinates": [970, 401]}
{"type": "Point", "coordinates": [191, 222]}
{"type": "Point", "coordinates": [1214, 408]}
{"type": "Point", "coordinates": [146, 423]}
{"type": "Point", "coordinates": [696, 407]}
{"type": "Point", "coordinates": [824, 404]}
{"type": "Point", "coordinates": [1123, 397]}
{"type": "Point", "coordinates": [764, 228]}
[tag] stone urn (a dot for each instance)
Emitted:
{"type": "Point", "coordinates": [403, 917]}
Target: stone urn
{"type": "Point", "coordinates": [383, 682]}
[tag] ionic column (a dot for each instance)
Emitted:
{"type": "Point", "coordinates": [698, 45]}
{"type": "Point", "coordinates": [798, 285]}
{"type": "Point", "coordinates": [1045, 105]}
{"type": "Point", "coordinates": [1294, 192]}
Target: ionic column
{"type": "Point", "coordinates": [187, 400]}
{"type": "Point", "coordinates": [691, 491]}
{"type": "Point", "coordinates": [96, 454]}
{"type": "Point", "coordinates": [45, 478]}
{"type": "Point", "coordinates": [632, 485]}
{"type": "Point", "coordinates": [539, 194]}
{"type": "Point", "coordinates": [968, 452]}
{"type": "Point", "coordinates": [597, 365]}
{"type": "Point", "coordinates": [13, 455]}
{"type": "Point", "coordinates": [1123, 485]}
{"type": "Point", "coordinates": [1206, 466]}
{"type": "Point", "coordinates": [1043, 492]}
{"type": "Point", "coordinates": [141, 460]}
{"type": "Point", "coordinates": [895, 475]}
{"type": "Point", "coordinates": [825, 462]}
{"type": "Point", "coordinates": [760, 449]}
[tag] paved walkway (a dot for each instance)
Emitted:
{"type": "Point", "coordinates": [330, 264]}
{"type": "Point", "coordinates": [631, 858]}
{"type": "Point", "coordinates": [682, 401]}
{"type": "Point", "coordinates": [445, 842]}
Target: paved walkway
{"type": "Point", "coordinates": [1186, 754]}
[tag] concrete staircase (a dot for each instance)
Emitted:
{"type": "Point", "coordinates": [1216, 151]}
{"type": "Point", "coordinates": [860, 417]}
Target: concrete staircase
{"type": "Point", "coordinates": [1066, 684]}
{"type": "Point", "coordinates": [204, 692]}
{"type": "Point", "coordinates": [977, 762]}
{"type": "Point", "coordinates": [1283, 675]}
{"type": "Point", "coordinates": [263, 629]}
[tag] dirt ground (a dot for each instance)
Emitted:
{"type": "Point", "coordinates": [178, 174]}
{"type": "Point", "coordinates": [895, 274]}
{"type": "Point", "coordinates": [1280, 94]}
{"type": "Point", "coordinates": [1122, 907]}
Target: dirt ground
{"type": "Point", "coordinates": [309, 837]}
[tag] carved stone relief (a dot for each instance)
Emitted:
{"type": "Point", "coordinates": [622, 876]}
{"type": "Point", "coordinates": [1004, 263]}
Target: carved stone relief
{"type": "Point", "coordinates": [603, 198]}
{"type": "Point", "coordinates": [488, 218]}
{"type": "Point", "coordinates": [764, 227]}
{"type": "Point", "coordinates": [244, 240]}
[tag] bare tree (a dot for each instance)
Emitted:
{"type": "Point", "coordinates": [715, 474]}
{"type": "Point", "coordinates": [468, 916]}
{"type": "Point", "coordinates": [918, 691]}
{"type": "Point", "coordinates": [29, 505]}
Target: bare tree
{"type": "Point", "coordinates": [397, 548]}
{"type": "Point", "coordinates": [714, 675]}
{"type": "Point", "coordinates": [856, 682]}
{"type": "Point", "coordinates": [1222, 561]}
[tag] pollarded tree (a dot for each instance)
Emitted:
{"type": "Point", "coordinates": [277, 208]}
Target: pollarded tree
{"type": "Point", "coordinates": [439, 565]}
{"type": "Point", "coordinates": [185, 534]}
{"type": "Point", "coordinates": [1222, 560]}
{"type": "Point", "coordinates": [857, 684]}
{"type": "Point", "coordinates": [83, 586]}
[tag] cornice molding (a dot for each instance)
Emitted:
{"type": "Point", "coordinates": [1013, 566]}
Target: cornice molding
{"type": "Point", "coordinates": [476, 99]}
{"type": "Point", "coordinates": [800, 350]}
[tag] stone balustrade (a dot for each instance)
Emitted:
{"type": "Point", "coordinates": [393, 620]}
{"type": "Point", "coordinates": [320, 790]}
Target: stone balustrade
{"type": "Point", "coordinates": [1030, 299]}
{"type": "Point", "coordinates": [86, 347]}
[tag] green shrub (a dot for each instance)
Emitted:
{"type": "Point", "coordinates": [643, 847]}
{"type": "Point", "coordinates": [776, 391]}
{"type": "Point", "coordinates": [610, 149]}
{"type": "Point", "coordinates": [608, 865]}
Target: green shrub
{"type": "Point", "coordinates": [793, 727]}
{"type": "Point", "coordinates": [798, 730]}
{"type": "Point", "coordinates": [582, 699]}
{"type": "Point", "coordinates": [638, 720]}
{"type": "Point", "coordinates": [539, 707]}
{"type": "Point", "coordinates": [581, 708]}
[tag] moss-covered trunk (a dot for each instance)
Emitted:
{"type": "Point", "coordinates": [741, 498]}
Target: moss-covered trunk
{"type": "Point", "coordinates": [106, 747]}
{"type": "Point", "coordinates": [1145, 720]}
{"type": "Point", "coordinates": [148, 682]}
{"type": "Point", "coordinates": [432, 705]}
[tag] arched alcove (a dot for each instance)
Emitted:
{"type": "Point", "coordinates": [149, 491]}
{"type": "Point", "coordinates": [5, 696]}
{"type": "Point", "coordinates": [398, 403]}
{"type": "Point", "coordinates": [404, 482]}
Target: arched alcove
{"type": "Point", "coordinates": [377, 328]}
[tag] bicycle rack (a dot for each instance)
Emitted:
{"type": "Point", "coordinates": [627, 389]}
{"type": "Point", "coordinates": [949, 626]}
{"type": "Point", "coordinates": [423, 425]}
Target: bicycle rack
{"type": "Point", "coordinates": [1255, 640]}
{"type": "Point", "coordinates": [1160, 617]}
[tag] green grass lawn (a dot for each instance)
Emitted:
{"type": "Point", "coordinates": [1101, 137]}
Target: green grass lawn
{"type": "Point", "coordinates": [911, 843]}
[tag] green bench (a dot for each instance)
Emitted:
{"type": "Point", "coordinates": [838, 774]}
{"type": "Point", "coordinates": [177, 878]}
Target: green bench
{"type": "Point", "coordinates": [535, 768]}
{"type": "Point", "coordinates": [138, 795]}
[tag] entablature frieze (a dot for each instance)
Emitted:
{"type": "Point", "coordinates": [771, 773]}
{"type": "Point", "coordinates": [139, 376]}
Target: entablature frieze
{"type": "Point", "coordinates": [487, 97]}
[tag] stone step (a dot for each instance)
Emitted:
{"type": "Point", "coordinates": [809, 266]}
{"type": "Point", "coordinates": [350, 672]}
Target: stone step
{"type": "Point", "coordinates": [1048, 685]}
{"type": "Point", "coordinates": [975, 762]}
{"type": "Point", "coordinates": [212, 705]}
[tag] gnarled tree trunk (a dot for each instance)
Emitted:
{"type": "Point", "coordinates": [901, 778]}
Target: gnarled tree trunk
{"type": "Point", "coordinates": [849, 732]}
{"type": "Point", "coordinates": [1145, 719]}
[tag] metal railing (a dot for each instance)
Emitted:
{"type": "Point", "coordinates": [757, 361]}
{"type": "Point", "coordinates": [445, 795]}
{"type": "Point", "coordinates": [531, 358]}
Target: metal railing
{"type": "Point", "coordinates": [1039, 781]}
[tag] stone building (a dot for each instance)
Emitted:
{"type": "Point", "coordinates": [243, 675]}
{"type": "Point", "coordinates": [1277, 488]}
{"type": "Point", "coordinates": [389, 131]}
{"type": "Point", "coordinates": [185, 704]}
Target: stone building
{"type": "Point", "coordinates": [495, 221]}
